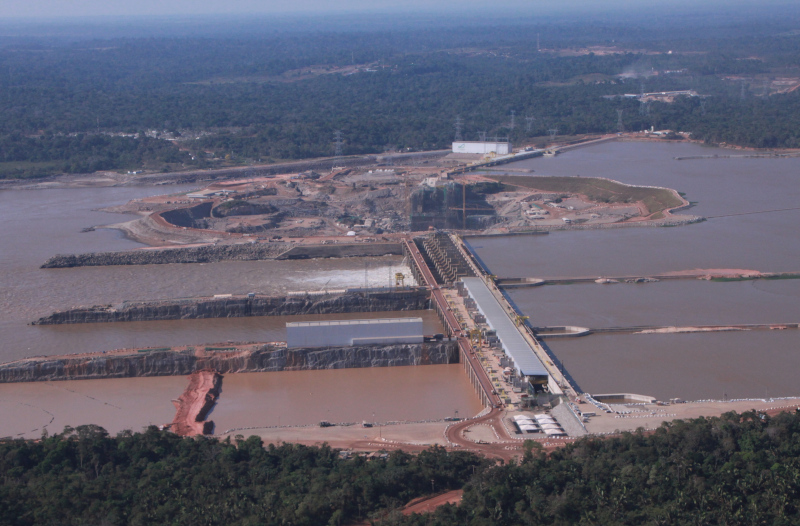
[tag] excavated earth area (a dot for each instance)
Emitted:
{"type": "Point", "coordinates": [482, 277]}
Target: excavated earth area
{"type": "Point", "coordinates": [194, 404]}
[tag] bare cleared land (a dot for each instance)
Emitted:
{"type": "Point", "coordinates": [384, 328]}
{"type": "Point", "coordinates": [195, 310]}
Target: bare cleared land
{"type": "Point", "coordinates": [654, 200]}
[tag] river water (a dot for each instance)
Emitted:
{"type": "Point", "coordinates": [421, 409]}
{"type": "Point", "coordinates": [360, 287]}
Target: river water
{"type": "Point", "coordinates": [349, 395]}
{"type": "Point", "coordinates": [246, 400]}
{"type": "Point", "coordinates": [38, 224]}
{"type": "Point", "coordinates": [740, 197]}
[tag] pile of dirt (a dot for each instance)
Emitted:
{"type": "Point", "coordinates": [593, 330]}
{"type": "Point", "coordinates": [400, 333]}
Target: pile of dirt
{"type": "Point", "coordinates": [194, 404]}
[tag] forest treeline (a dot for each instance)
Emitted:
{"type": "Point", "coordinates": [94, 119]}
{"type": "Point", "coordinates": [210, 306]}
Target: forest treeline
{"type": "Point", "coordinates": [253, 99]}
{"type": "Point", "coordinates": [736, 469]}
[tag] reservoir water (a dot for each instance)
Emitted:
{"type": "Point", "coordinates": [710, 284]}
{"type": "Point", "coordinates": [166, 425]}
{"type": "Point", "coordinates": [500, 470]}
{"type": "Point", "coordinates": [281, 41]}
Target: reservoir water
{"type": "Point", "coordinates": [741, 198]}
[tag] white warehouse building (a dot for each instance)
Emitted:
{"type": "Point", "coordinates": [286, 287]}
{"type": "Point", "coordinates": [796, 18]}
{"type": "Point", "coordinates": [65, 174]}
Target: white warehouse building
{"type": "Point", "coordinates": [482, 147]}
{"type": "Point", "coordinates": [354, 332]}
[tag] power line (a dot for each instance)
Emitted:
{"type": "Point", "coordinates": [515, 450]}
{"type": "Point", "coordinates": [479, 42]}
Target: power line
{"type": "Point", "coordinates": [529, 123]}
{"type": "Point", "coordinates": [458, 125]}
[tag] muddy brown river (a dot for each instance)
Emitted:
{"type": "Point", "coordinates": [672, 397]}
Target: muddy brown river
{"type": "Point", "coordinates": [751, 205]}
{"type": "Point", "coordinates": [41, 223]}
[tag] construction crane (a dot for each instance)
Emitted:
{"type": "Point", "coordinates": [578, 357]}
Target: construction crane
{"type": "Point", "coordinates": [476, 336]}
{"type": "Point", "coordinates": [399, 279]}
{"type": "Point", "coordinates": [519, 320]}
{"type": "Point", "coordinates": [464, 208]}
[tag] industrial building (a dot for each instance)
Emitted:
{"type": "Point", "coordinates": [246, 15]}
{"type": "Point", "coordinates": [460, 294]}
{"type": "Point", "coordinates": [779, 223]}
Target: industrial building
{"type": "Point", "coordinates": [514, 345]}
{"type": "Point", "coordinates": [354, 332]}
{"type": "Point", "coordinates": [482, 147]}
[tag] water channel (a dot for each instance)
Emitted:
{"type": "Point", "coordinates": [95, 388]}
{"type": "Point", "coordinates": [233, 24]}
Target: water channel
{"type": "Point", "coordinates": [740, 196]}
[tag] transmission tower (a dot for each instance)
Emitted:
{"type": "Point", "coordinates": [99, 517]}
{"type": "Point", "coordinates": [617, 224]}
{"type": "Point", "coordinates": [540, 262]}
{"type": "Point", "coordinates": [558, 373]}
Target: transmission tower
{"type": "Point", "coordinates": [703, 106]}
{"type": "Point", "coordinates": [538, 47]}
{"type": "Point", "coordinates": [620, 126]}
{"type": "Point", "coordinates": [459, 124]}
{"type": "Point", "coordinates": [553, 132]}
{"type": "Point", "coordinates": [743, 94]}
{"type": "Point", "coordinates": [529, 123]}
{"type": "Point", "coordinates": [482, 136]}
{"type": "Point", "coordinates": [337, 142]}
{"type": "Point", "coordinates": [513, 122]}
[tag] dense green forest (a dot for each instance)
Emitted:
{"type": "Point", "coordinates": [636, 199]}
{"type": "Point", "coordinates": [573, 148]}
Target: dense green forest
{"type": "Point", "coordinates": [86, 477]}
{"type": "Point", "coordinates": [251, 98]}
{"type": "Point", "coordinates": [736, 469]}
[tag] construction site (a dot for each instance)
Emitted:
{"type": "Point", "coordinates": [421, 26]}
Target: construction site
{"type": "Point", "coordinates": [422, 212]}
{"type": "Point", "coordinates": [374, 203]}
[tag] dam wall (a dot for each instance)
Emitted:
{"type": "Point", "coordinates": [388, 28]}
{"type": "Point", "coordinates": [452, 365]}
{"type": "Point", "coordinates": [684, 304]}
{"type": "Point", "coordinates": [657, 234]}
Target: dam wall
{"type": "Point", "coordinates": [202, 254]}
{"type": "Point", "coordinates": [243, 306]}
{"type": "Point", "coordinates": [237, 359]}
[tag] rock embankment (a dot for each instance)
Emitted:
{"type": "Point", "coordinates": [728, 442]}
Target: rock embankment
{"type": "Point", "coordinates": [224, 359]}
{"type": "Point", "coordinates": [203, 254]}
{"type": "Point", "coordinates": [192, 407]}
{"type": "Point", "coordinates": [243, 306]}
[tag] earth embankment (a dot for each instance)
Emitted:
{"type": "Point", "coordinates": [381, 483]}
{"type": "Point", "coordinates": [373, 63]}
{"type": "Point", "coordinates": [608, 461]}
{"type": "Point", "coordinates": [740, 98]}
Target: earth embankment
{"type": "Point", "coordinates": [243, 306]}
{"type": "Point", "coordinates": [224, 358]}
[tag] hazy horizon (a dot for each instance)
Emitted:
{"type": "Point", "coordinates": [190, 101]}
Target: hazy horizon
{"type": "Point", "coordinates": [54, 10]}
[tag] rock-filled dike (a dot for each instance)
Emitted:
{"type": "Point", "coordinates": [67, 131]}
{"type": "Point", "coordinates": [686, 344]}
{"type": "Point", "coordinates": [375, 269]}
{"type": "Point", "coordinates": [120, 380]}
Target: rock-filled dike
{"type": "Point", "coordinates": [241, 306]}
{"type": "Point", "coordinates": [224, 359]}
{"type": "Point", "coordinates": [202, 254]}
{"type": "Point", "coordinates": [217, 253]}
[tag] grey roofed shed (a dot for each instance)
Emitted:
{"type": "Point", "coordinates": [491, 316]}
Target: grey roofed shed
{"type": "Point", "coordinates": [525, 360]}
